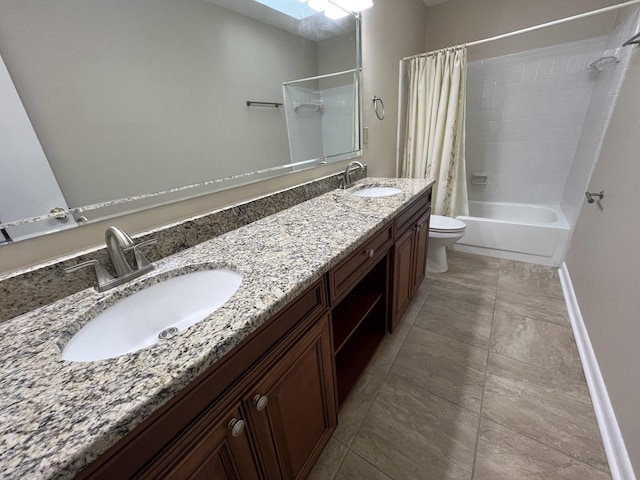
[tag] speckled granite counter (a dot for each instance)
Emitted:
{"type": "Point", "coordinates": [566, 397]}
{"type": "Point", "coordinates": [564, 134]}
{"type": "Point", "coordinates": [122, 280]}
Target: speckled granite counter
{"type": "Point", "coordinates": [56, 416]}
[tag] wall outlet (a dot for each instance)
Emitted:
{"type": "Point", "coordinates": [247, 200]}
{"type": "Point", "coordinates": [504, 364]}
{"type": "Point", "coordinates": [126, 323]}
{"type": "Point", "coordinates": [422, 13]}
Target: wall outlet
{"type": "Point", "coordinates": [365, 135]}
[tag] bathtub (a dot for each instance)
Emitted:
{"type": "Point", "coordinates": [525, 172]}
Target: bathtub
{"type": "Point", "coordinates": [515, 231]}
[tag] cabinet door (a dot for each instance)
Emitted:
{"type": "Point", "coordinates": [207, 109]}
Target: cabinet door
{"type": "Point", "coordinates": [402, 281]}
{"type": "Point", "coordinates": [421, 245]}
{"type": "Point", "coordinates": [221, 451]}
{"type": "Point", "coordinates": [292, 408]}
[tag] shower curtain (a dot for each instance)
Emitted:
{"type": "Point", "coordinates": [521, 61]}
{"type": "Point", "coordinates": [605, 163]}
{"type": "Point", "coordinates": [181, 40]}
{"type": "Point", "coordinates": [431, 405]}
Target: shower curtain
{"type": "Point", "coordinates": [435, 132]}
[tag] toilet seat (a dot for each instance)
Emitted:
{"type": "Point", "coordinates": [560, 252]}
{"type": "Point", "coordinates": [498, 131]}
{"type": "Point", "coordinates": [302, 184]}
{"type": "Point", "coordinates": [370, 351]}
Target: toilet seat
{"type": "Point", "coordinates": [442, 224]}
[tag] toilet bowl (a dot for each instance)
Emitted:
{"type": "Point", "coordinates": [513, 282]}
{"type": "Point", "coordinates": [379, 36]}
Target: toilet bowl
{"type": "Point", "coordinates": [443, 232]}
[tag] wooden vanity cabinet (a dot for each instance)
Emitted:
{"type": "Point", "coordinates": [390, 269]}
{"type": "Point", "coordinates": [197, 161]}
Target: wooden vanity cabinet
{"type": "Point", "coordinates": [217, 449]}
{"type": "Point", "coordinates": [359, 297]}
{"type": "Point", "coordinates": [410, 254]}
{"type": "Point", "coordinates": [292, 407]}
{"type": "Point", "coordinates": [213, 428]}
{"type": "Point", "coordinates": [285, 417]}
{"type": "Point", "coordinates": [267, 409]}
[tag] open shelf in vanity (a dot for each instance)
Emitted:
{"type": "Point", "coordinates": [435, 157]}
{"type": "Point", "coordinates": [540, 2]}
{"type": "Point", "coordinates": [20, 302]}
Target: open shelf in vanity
{"type": "Point", "coordinates": [359, 324]}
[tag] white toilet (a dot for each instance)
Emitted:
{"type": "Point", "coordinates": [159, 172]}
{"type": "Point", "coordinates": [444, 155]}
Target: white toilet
{"type": "Point", "coordinates": [443, 232]}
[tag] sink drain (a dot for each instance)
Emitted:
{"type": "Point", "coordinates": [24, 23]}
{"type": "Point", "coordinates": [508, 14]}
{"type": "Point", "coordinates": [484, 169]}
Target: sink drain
{"type": "Point", "coordinates": [168, 333]}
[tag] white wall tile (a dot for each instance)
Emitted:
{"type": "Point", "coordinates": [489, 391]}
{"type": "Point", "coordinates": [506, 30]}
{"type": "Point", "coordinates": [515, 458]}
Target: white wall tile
{"type": "Point", "coordinates": [536, 104]}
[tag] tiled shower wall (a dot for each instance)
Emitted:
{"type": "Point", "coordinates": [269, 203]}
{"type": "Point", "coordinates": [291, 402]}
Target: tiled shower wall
{"type": "Point", "coordinates": [323, 126]}
{"type": "Point", "coordinates": [337, 119]}
{"type": "Point", "coordinates": [603, 100]}
{"type": "Point", "coordinates": [304, 124]}
{"type": "Point", "coordinates": [525, 114]}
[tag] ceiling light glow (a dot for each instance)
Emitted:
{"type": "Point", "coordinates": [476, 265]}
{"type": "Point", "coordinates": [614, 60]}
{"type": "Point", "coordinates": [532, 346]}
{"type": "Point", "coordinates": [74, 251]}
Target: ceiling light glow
{"type": "Point", "coordinates": [353, 5]}
{"type": "Point", "coordinates": [333, 9]}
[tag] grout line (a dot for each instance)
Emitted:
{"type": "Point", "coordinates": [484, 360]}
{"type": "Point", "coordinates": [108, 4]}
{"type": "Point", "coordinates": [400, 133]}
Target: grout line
{"type": "Point", "coordinates": [371, 464]}
{"type": "Point", "coordinates": [551, 447]}
{"type": "Point", "coordinates": [439, 396]}
{"type": "Point", "coordinates": [536, 319]}
{"type": "Point", "coordinates": [566, 376]}
{"type": "Point", "coordinates": [484, 381]}
{"type": "Point", "coordinates": [347, 450]}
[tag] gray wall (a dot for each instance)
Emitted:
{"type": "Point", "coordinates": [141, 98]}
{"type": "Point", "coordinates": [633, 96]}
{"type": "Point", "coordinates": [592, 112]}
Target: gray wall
{"type": "Point", "coordinates": [392, 29]}
{"type": "Point", "coordinates": [604, 263]}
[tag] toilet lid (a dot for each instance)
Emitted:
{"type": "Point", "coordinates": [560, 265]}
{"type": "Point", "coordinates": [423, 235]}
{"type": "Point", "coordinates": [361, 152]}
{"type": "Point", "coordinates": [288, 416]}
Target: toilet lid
{"type": "Point", "coordinates": [439, 223]}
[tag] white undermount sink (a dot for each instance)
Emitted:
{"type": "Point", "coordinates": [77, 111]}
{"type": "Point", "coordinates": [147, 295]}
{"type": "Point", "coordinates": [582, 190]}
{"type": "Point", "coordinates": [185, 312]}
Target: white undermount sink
{"type": "Point", "coordinates": [370, 192]}
{"type": "Point", "coordinates": [159, 311]}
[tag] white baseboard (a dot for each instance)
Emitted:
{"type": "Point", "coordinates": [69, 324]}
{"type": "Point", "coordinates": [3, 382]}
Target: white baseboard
{"type": "Point", "coordinates": [617, 455]}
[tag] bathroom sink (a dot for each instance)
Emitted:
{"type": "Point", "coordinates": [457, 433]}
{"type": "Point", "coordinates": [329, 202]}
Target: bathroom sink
{"type": "Point", "coordinates": [156, 313]}
{"type": "Point", "coordinates": [370, 192]}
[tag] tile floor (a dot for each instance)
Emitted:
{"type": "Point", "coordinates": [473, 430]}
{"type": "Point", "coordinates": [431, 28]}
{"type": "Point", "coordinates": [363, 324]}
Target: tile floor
{"type": "Point", "coordinates": [482, 380]}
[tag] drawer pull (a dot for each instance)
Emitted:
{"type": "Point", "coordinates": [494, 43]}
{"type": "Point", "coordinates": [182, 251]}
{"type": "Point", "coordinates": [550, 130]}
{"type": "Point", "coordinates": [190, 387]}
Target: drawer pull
{"type": "Point", "coordinates": [260, 401]}
{"type": "Point", "coordinates": [370, 252]}
{"type": "Point", "coordinates": [236, 426]}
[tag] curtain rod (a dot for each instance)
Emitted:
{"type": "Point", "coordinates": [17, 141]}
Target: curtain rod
{"type": "Point", "coordinates": [538, 27]}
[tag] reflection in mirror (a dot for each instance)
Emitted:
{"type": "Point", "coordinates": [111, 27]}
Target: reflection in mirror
{"type": "Point", "coordinates": [130, 99]}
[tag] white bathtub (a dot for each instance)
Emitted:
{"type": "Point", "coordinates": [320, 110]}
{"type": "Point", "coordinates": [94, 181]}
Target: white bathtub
{"type": "Point", "coordinates": [515, 231]}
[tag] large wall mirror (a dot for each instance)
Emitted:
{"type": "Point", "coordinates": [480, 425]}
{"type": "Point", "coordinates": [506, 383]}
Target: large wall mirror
{"type": "Point", "coordinates": [110, 106]}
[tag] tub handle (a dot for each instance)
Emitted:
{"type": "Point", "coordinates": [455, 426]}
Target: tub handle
{"type": "Point", "coordinates": [590, 196]}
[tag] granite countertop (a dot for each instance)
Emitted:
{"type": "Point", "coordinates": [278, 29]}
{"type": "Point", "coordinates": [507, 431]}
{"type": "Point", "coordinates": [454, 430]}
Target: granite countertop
{"type": "Point", "coordinates": [57, 416]}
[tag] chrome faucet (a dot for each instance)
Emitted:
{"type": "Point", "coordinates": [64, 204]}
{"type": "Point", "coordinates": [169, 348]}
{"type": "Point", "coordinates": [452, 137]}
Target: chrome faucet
{"type": "Point", "coordinates": [118, 241]}
{"type": "Point", "coordinates": [345, 181]}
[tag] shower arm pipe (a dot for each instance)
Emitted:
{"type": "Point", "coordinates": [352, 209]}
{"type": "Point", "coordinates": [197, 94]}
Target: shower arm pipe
{"type": "Point", "coordinates": [542, 25]}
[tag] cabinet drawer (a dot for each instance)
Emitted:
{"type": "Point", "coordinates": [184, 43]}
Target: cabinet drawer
{"type": "Point", "coordinates": [412, 213]}
{"type": "Point", "coordinates": [343, 276]}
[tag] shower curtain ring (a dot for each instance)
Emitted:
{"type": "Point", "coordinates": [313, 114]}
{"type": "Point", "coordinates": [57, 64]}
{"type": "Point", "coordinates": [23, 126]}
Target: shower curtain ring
{"type": "Point", "coordinates": [377, 100]}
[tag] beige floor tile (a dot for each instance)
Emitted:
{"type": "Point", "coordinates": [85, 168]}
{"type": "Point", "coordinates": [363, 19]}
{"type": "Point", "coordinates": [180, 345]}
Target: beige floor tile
{"type": "Point", "coordinates": [329, 461]}
{"type": "Point", "coordinates": [390, 346]}
{"type": "Point", "coordinates": [539, 343]}
{"type": "Point", "coordinates": [553, 409]}
{"type": "Point", "coordinates": [417, 302]}
{"type": "Point", "coordinates": [537, 306]}
{"type": "Point", "coordinates": [471, 269]}
{"type": "Point", "coordinates": [443, 366]}
{"type": "Point", "coordinates": [457, 281]}
{"type": "Point", "coordinates": [530, 278]}
{"type": "Point", "coordinates": [410, 434]}
{"type": "Point", "coordinates": [505, 455]}
{"type": "Point", "coordinates": [464, 321]}
{"type": "Point", "coordinates": [355, 468]}
{"type": "Point", "coordinates": [355, 408]}
{"type": "Point", "coordinates": [480, 294]}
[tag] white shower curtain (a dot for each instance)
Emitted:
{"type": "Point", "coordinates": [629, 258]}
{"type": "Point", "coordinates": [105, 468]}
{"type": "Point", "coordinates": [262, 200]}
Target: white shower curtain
{"type": "Point", "coordinates": [434, 140]}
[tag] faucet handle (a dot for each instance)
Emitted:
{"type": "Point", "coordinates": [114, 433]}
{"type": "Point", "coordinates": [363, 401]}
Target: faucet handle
{"type": "Point", "coordinates": [141, 260]}
{"type": "Point", "coordinates": [101, 274]}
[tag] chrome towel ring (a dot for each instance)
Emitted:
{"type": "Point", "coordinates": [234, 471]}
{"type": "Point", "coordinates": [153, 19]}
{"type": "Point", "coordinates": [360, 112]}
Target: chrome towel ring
{"type": "Point", "coordinates": [376, 101]}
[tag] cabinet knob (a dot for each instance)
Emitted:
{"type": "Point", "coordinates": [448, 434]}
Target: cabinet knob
{"type": "Point", "coordinates": [260, 401]}
{"type": "Point", "coordinates": [371, 253]}
{"type": "Point", "coordinates": [236, 426]}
